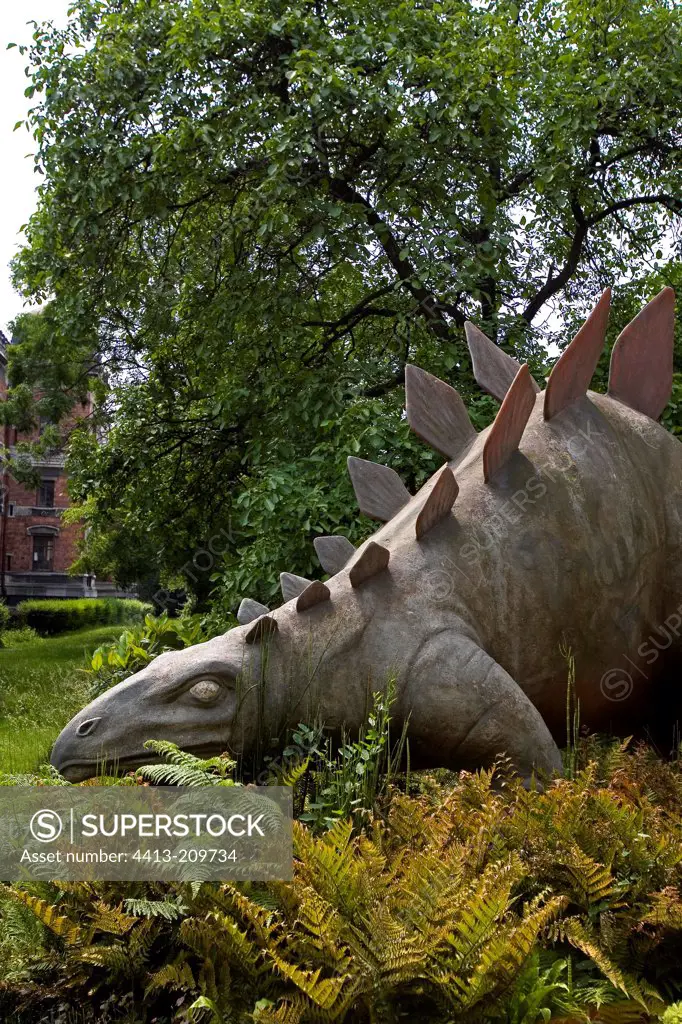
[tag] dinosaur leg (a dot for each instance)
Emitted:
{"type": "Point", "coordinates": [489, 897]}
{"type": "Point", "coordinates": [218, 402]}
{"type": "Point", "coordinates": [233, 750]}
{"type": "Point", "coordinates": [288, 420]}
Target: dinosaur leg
{"type": "Point", "coordinates": [465, 710]}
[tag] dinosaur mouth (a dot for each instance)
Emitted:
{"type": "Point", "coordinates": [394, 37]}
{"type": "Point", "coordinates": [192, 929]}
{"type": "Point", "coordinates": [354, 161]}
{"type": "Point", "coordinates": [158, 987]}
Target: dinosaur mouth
{"type": "Point", "coordinates": [81, 770]}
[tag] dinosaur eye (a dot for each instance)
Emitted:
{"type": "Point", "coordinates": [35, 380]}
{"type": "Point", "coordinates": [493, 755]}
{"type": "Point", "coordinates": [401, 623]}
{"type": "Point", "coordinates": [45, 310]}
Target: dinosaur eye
{"type": "Point", "coordinates": [205, 690]}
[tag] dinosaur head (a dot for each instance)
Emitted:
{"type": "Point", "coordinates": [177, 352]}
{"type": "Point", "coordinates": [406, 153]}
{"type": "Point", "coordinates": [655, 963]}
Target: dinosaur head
{"type": "Point", "coordinates": [200, 698]}
{"type": "Point", "coordinates": [224, 694]}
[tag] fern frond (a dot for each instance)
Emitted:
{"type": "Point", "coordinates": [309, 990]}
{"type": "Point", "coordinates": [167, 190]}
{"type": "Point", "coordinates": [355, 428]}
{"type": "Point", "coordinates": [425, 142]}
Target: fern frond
{"type": "Point", "coordinates": [169, 910]}
{"type": "Point", "coordinates": [323, 992]}
{"type": "Point", "coordinates": [488, 901]}
{"type": "Point", "coordinates": [666, 909]}
{"type": "Point", "coordinates": [221, 934]}
{"type": "Point", "coordinates": [389, 952]}
{"type": "Point", "coordinates": [175, 775]}
{"type": "Point", "coordinates": [582, 937]}
{"type": "Point", "coordinates": [48, 915]}
{"type": "Point", "coordinates": [324, 926]}
{"type": "Point", "coordinates": [114, 958]}
{"type": "Point", "coordinates": [510, 948]}
{"type": "Point", "coordinates": [293, 774]}
{"type": "Point", "coordinates": [593, 882]}
{"type": "Point", "coordinates": [111, 919]}
{"type": "Point", "coordinates": [174, 975]}
{"type": "Point", "coordinates": [628, 1011]}
{"type": "Point", "coordinates": [327, 863]}
{"type": "Point", "coordinates": [263, 921]}
{"type": "Point", "coordinates": [184, 769]}
{"type": "Point", "coordinates": [285, 1013]}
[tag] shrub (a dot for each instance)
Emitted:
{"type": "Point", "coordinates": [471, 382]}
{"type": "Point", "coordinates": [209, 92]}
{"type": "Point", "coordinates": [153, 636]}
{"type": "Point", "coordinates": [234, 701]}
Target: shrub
{"type": "Point", "coordinates": [136, 647]}
{"type": "Point", "coordinates": [17, 637]}
{"type": "Point", "coordinates": [57, 616]}
{"type": "Point", "coordinates": [5, 617]}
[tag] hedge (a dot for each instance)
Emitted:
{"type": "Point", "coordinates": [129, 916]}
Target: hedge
{"type": "Point", "coordinates": [55, 616]}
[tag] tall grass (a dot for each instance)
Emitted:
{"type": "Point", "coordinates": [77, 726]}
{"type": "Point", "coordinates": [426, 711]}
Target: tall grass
{"type": "Point", "coordinates": [42, 685]}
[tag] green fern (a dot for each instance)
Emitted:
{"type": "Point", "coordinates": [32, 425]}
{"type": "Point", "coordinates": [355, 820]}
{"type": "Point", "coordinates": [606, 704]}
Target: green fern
{"type": "Point", "coordinates": [169, 910]}
{"type": "Point", "coordinates": [292, 774]}
{"type": "Point", "coordinates": [265, 1012]}
{"type": "Point", "coordinates": [176, 975]}
{"type": "Point", "coordinates": [183, 769]}
{"type": "Point", "coordinates": [48, 914]}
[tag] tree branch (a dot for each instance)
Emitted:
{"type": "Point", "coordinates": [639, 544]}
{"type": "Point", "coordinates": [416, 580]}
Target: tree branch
{"type": "Point", "coordinates": [663, 199]}
{"type": "Point", "coordinates": [358, 309]}
{"type": "Point", "coordinates": [555, 282]}
{"type": "Point", "coordinates": [428, 306]}
{"type": "Point", "coordinates": [514, 186]}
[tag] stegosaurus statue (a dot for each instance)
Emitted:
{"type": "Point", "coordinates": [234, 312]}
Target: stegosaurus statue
{"type": "Point", "coordinates": [559, 525]}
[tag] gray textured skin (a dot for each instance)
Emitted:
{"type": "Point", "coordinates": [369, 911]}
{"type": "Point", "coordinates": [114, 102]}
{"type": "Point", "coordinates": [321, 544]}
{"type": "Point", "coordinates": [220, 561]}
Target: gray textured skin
{"type": "Point", "coordinates": [577, 540]}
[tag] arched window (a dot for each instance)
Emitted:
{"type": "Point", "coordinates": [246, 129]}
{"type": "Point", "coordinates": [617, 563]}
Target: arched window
{"type": "Point", "coordinates": [43, 547]}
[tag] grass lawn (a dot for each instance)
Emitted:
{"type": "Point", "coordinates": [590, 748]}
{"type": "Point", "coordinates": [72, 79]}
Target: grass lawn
{"type": "Point", "coordinates": [42, 685]}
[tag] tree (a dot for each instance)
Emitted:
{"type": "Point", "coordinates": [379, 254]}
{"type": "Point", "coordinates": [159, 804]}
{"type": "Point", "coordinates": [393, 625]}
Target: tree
{"type": "Point", "coordinates": [253, 216]}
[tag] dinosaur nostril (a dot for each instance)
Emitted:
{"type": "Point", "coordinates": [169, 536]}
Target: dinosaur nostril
{"type": "Point", "coordinates": [85, 728]}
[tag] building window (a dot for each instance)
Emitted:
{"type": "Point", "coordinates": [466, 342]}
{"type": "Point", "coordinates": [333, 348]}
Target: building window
{"type": "Point", "coordinates": [43, 553]}
{"type": "Point", "coordinates": [8, 562]}
{"type": "Point", "coordinates": [46, 494]}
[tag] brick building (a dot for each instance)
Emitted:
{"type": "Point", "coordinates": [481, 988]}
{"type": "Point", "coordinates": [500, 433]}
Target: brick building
{"type": "Point", "coordinates": [36, 548]}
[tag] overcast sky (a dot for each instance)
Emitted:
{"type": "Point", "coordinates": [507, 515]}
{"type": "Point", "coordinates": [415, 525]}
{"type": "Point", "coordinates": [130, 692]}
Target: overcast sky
{"type": "Point", "coordinates": [16, 171]}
